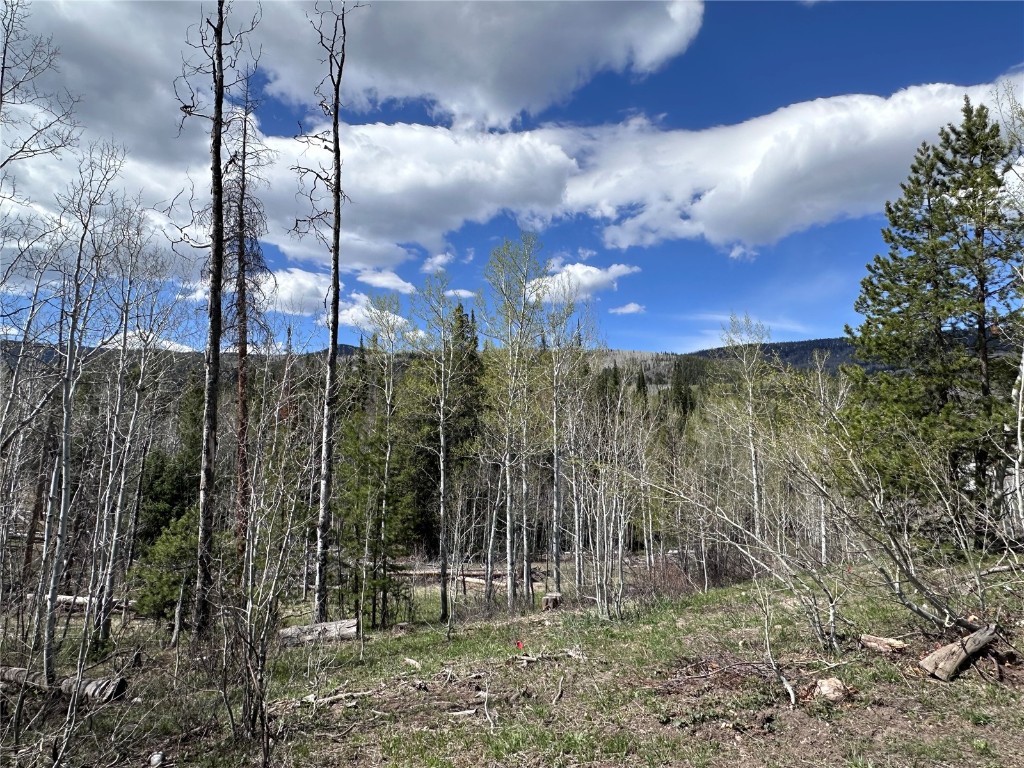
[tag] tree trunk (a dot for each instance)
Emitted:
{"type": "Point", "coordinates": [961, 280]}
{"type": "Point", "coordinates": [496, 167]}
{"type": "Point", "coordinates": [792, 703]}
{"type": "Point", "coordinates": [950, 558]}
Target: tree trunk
{"type": "Point", "coordinates": [211, 388]}
{"type": "Point", "coordinates": [336, 65]}
{"type": "Point", "coordinates": [102, 690]}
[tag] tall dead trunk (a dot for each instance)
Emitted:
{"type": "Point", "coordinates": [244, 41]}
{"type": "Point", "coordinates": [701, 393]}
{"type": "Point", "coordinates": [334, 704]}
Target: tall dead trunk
{"type": "Point", "coordinates": [211, 387]}
{"type": "Point", "coordinates": [332, 38]}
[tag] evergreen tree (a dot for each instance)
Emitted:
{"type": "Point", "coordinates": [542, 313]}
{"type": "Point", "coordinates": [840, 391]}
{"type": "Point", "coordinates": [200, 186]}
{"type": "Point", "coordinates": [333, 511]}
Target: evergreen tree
{"type": "Point", "coordinates": [641, 384]}
{"type": "Point", "coordinates": [933, 306]}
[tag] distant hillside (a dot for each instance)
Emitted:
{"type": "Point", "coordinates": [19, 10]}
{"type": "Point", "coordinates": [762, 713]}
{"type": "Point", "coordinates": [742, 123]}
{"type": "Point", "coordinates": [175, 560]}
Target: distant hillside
{"type": "Point", "coordinates": [800, 354]}
{"type": "Point", "coordinates": [657, 366]}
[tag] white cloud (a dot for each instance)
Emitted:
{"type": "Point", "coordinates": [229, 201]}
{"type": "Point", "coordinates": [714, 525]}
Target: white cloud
{"type": "Point", "coordinates": [742, 253]}
{"type": "Point", "coordinates": [295, 291]}
{"type": "Point", "coordinates": [460, 293]}
{"type": "Point", "coordinates": [407, 184]}
{"type": "Point", "coordinates": [522, 56]}
{"type": "Point", "coordinates": [436, 262]}
{"type": "Point", "coordinates": [737, 186]}
{"type": "Point", "coordinates": [755, 182]}
{"type": "Point", "coordinates": [387, 280]}
{"type": "Point", "coordinates": [629, 309]}
{"type": "Point", "coordinates": [358, 313]}
{"type": "Point", "coordinates": [416, 183]}
{"type": "Point", "coordinates": [581, 281]}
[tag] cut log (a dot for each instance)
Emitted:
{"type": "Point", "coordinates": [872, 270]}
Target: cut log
{"type": "Point", "coordinates": [947, 661]}
{"type": "Point", "coordinates": [327, 632]}
{"type": "Point", "coordinates": [102, 690]}
{"type": "Point", "coordinates": [883, 645]}
{"type": "Point", "coordinates": [551, 601]}
{"type": "Point", "coordinates": [77, 603]}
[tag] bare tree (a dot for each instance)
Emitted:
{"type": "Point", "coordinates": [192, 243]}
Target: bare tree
{"type": "Point", "coordinates": [326, 197]}
{"type": "Point", "coordinates": [218, 51]}
{"type": "Point", "coordinates": [450, 364]}
{"type": "Point", "coordinates": [515, 276]}
{"type": "Point", "coordinates": [33, 121]}
{"type": "Point", "coordinates": [137, 297]}
{"type": "Point", "coordinates": [87, 234]}
{"type": "Point", "coordinates": [247, 223]}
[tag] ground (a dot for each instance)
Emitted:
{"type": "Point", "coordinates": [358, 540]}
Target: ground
{"type": "Point", "coordinates": [680, 683]}
{"type": "Point", "coordinates": [684, 681]}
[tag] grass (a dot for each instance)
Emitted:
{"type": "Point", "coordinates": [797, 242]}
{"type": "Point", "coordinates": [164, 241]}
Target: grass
{"type": "Point", "coordinates": [683, 682]}
{"type": "Point", "coordinates": [679, 682]}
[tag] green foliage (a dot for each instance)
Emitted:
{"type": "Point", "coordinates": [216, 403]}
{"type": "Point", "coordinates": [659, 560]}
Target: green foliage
{"type": "Point", "coordinates": [170, 480]}
{"type": "Point", "coordinates": [934, 307]}
{"type": "Point", "coordinates": [167, 567]}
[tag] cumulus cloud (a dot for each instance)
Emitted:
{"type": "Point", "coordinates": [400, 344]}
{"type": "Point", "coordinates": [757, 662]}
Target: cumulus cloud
{"type": "Point", "coordinates": [460, 293]}
{"type": "Point", "coordinates": [387, 280]}
{"type": "Point", "coordinates": [358, 312]}
{"type": "Point", "coordinates": [629, 309]}
{"type": "Point", "coordinates": [407, 184]}
{"type": "Point", "coordinates": [582, 281]}
{"type": "Point", "coordinates": [755, 182]}
{"type": "Point", "coordinates": [436, 262]}
{"type": "Point", "coordinates": [416, 183]}
{"type": "Point", "coordinates": [295, 291]}
{"type": "Point", "coordinates": [406, 50]}
{"type": "Point", "coordinates": [737, 186]}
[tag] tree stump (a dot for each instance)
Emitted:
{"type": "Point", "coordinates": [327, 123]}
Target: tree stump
{"type": "Point", "coordinates": [551, 601]}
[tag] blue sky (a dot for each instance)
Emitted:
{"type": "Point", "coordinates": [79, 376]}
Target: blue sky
{"type": "Point", "coordinates": [681, 161]}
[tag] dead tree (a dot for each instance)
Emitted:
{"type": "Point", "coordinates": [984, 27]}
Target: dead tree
{"type": "Point", "coordinates": [218, 51]}
{"type": "Point", "coordinates": [322, 184]}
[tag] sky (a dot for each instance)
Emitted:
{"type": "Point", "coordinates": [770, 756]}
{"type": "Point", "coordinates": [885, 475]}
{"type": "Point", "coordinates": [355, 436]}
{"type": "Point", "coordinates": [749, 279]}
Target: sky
{"type": "Point", "coordinates": [679, 161]}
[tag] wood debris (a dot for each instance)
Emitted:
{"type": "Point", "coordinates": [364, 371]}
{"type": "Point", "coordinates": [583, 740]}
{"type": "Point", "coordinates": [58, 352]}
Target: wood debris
{"type": "Point", "coordinates": [102, 690]}
{"type": "Point", "coordinates": [946, 662]}
{"type": "Point", "coordinates": [883, 645]}
{"type": "Point", "coordinates": [326, 632]}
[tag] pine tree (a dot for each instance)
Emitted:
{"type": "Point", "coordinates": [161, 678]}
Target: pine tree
{"type": "Point", "coordinates": [641, 384]}
{"type": "Point", "coordinates": [933, 307]}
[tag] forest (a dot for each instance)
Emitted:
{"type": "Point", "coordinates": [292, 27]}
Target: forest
{"type": "Point", "coordinates": [258, 508]}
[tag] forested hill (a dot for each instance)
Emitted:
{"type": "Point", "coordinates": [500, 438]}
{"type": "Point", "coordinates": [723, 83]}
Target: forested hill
{"type": "Point", "coordinates": [796, 354]}
{"type": "Point", "coordinates": [800, 354]}
{"type": "Point", "coordinates": [658, 366]}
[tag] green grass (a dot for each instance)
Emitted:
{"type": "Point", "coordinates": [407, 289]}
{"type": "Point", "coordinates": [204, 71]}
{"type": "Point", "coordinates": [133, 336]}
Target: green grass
{"type": "Point", "coordinates": [678, 682]}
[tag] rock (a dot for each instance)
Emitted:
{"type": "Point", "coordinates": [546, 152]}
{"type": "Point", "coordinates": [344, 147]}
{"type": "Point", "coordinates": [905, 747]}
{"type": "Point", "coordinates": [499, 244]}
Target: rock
{"type": "Point", "coordinates": [831, 689]}
{"type": "Point", "coordinates": [156, 759]}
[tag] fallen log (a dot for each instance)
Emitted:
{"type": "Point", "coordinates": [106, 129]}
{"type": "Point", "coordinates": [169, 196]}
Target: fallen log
{"type": "Point", "coordinates": [883, 645]}
{"type": "Point", "coordinates": [947, 661]}
{"type": "Point", "coordinates": [327, 632]}
{"type": "Point", "coordinates": [435, 573]}
{"type": "Point", "coordinates": [102, 690]}
{"type": "Point", "coordinates": [80, 603]}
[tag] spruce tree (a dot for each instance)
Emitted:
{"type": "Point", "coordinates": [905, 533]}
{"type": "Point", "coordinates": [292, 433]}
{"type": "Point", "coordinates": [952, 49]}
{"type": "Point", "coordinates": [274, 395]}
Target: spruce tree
{"type": "Point", "coordinates": [933, 308]}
